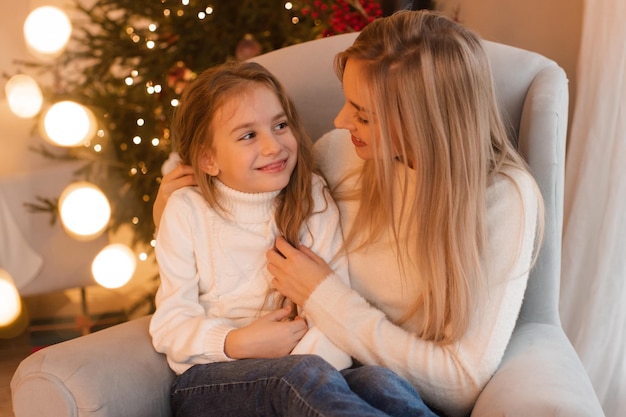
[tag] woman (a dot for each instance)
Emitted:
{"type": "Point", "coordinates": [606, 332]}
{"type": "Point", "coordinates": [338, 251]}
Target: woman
{"type": "Point", "coordinates": [438, 209]}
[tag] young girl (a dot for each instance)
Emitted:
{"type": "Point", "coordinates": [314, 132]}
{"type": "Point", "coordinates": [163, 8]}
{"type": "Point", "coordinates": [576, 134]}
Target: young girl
{"type": "Point", "coordinates": [252, 163]}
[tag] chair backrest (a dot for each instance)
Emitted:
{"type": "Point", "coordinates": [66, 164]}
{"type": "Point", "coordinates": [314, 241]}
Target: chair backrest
{"type": "Point", "coordinates": [533, 95]}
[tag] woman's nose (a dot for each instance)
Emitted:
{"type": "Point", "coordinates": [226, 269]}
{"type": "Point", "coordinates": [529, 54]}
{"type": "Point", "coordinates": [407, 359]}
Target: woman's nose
{"type": "Point", "coordinates": [342, 121]}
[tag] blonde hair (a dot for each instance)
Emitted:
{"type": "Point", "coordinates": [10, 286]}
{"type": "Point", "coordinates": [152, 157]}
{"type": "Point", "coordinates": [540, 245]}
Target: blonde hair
{"type": "Point", "coordinates": [193, 135]}
{"type": "Point", "coordinates": [430, 87]}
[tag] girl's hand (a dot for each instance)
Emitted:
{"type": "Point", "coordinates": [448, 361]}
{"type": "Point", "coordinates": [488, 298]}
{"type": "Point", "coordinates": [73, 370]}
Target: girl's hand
{"type": "Point", "coordinates": [297, 272]}
{"type": "Point", "coordinates": [270, 336]}
{"type": "Point", "coordinates": [181, 176]}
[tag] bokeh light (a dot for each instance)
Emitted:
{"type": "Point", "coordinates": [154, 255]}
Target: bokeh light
{"type": "Point", "coordinates": [24, 96]}
{"type": "Point", "coordinates": [67, 123]}
{"type": "Point", "coordinates": [84, 209]}
{"type": "Point", "coordinates": [114, 266]}
{"type": "Point", "coordinates": [10, 302]}
{"type": "Point", "coordinates": [47, 30]}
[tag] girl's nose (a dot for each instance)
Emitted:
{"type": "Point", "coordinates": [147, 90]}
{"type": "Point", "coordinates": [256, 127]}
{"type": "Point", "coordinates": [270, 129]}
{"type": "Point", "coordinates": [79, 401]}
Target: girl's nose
{"type": "Point", "coordinates": [270, 144]}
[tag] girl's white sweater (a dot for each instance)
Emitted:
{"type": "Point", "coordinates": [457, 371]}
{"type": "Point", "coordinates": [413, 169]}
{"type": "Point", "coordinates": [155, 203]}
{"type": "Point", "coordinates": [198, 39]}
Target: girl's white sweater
{"type": "Point", "coordinates": [214, 277]}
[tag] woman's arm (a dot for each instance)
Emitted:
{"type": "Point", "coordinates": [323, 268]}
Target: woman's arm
{"type": "Point", "coordinates": [323, 234]}
{"type": "Point", "coordinates": [449, 377]}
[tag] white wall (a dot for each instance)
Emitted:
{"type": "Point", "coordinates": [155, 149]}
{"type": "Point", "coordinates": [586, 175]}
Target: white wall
{"type": "Point", "coordinates": [549, 27]}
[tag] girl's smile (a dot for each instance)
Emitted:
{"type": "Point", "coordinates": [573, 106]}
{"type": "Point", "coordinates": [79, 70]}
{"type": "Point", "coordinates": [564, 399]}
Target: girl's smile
{"type": "Point", "coordinates": [274, 167]}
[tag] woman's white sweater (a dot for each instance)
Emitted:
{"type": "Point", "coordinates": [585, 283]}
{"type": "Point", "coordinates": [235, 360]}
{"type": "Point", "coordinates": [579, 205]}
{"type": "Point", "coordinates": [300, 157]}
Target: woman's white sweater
{"type": "Point", "coordinates": [361, 320]}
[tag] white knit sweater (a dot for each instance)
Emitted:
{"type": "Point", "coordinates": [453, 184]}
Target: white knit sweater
{"type": "Point", "coordinates": [214, 277]}
{"type": "Point", "coordinates": [361, 320]}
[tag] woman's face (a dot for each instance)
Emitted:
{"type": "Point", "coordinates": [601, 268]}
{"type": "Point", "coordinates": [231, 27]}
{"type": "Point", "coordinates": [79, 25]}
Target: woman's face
{"type": "Point", "coordinates": [354, 115]}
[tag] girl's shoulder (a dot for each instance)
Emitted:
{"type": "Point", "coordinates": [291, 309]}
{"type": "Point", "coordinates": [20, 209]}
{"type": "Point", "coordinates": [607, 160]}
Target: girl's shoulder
{"type": "Point", "coordinates": [185, 200]}
{"type": "Point", "coordinates": [185, 195]}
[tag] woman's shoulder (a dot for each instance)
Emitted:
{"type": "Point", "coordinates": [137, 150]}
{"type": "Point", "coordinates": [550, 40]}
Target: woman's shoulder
{"type": "Point", "coordinates": [513, 188]}
{"type": "Point", "coordinates": [514, 178]}
{"type": "Point", "coordinates": [335, 156]}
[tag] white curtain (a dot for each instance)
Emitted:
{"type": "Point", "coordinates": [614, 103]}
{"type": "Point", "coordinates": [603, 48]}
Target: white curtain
{"type": "Point", "coordinates": [593, 285]}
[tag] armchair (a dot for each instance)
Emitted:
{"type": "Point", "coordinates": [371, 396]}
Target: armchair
{"type": "Point", "coordinates": [115, 372]}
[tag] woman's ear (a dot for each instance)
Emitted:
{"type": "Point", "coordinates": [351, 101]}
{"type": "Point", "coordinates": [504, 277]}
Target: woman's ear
{"type": "Point", "coordinates": [208, 164]}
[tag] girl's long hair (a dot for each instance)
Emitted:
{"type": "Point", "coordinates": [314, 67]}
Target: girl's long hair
{"type": "Point", "coordinates": [430, 87]}
{"type": "Point", "coordinates": [192, 135]}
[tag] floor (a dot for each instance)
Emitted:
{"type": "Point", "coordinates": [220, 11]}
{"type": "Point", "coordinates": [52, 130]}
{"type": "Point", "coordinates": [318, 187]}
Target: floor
{"type": "Point", "coordinates": [12, 351]}
{"type": "Point", "coordinates": [62, 307]}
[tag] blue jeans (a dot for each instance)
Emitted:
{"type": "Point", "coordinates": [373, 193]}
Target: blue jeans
{"type": "Point", "coordinates": [295, 385]}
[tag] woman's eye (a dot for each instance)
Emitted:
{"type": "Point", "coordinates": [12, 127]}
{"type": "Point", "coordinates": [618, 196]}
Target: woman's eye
{"type": "Point", "coordinates": [361, 120]}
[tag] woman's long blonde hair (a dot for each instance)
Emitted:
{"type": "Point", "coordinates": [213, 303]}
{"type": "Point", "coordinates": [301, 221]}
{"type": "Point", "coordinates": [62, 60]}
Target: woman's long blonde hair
{"type": "Point", "coordinates": [430, 86]}
{"type": "Point", "coordinates": [193, 135]}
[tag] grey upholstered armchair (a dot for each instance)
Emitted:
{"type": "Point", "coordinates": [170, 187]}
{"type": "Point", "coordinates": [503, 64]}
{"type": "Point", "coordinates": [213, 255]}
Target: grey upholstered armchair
{"type": "Point", "coordinates": [116, 372]}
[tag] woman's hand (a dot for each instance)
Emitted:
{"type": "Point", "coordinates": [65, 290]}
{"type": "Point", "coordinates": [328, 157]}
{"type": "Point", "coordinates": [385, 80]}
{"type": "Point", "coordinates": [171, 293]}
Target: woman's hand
{"type": "Point", "coordinates": [181, 176]}
{"type": "Point", "coordinates": [270, 336]}
{"type": "Point", "coordinates": [297, 272]}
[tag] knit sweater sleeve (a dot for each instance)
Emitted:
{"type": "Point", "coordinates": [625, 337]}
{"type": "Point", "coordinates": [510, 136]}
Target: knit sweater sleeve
{"type": "Point", "coordinates": [449, 377]}
{"type": "Point", "coordinates": [323, 235]}
{"type": "Point", "coordinates": [179, 326]}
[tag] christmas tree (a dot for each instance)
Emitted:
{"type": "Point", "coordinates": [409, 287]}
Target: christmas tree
{"type": "Point", "coordinates": [129, 61]}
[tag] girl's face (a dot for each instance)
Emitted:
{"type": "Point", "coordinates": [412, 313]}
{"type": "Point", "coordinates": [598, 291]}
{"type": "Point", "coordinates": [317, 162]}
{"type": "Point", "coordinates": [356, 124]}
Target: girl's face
{"type": "Point", "coordinates": [253, 148]}
{"type": "Point", "coordinates": [354, 115]}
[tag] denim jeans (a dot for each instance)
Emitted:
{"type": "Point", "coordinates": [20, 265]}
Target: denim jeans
{"type": "Point", "coordinates": [293, 386]}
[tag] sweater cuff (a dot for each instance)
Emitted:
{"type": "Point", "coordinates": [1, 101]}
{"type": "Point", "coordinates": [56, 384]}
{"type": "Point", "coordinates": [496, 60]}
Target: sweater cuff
{"type": "Point", "coordinates": [214, 343]}
{"type": "Point", "coordinates": [329, 293]}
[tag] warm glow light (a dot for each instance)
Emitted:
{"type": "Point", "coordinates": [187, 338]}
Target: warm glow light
{"type": "Point", "coordinates": [10, 302]}
{"type": "Point", "coordinates": [67, 123]}
{"type": "Point", "coordinates": [47, 30]}
{"type": "Point", "coordinates": [24, 96]}
{"type": "Point", "coordinates": [114, 266]}
{"type": "Point", "coordinates": [84, 210]}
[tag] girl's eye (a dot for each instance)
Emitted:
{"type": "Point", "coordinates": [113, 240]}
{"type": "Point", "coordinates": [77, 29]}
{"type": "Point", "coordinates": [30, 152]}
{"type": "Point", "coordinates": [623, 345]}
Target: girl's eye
{"type": "Point", "coordinates": [281, 126]}
{"type": "Point", "coordinates": [248, 136]}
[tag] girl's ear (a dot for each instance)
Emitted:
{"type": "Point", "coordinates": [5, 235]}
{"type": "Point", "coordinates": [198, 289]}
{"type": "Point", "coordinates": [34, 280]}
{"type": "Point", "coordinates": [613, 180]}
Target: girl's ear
{"type": "Point", "coordinates": [209, 165]}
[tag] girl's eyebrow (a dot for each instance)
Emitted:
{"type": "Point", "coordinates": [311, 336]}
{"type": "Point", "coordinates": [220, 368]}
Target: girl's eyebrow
{"type": "Point", "coordinates": [247, 125]}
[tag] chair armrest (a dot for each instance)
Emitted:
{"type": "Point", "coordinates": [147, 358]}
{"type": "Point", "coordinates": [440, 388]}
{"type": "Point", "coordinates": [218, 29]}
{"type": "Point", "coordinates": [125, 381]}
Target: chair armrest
{"type": "Point", "coordinates": [111, 373]}
{"type": "Point", "coordinates": [540, 376]}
